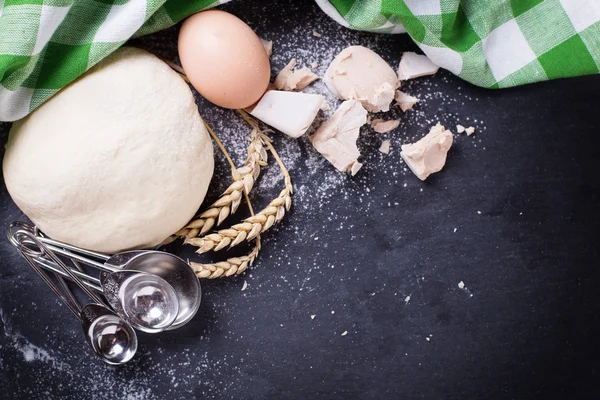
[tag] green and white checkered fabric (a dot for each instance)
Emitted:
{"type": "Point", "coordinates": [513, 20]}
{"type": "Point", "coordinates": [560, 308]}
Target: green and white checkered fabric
{"type": "Point", "coordinates": [490, 43]}
{"type": "Point", "coordinates": [46, 44]}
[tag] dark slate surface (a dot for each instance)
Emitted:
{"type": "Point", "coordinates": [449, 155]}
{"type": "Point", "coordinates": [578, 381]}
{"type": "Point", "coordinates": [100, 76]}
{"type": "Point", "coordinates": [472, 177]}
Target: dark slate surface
{"type": "Point", "coordinates": [523, 196]}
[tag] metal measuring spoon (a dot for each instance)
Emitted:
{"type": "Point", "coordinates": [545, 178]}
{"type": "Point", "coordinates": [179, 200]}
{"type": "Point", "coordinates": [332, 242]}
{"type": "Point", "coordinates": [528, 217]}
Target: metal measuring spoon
{"type": "Point", "coordinates": [146, 301]}
{"type": "Point", "coordinates": [110, 336]}
{"type": "Point", "coordinates": [167, 266]}
{"type": "Point", "coordinates": [177, 273]}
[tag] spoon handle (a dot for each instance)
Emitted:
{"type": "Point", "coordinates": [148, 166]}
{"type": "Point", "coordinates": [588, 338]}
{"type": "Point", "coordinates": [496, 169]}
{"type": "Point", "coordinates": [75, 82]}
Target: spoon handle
{"type": "Point", "coordinates": [89, 281]}
{"type": "Point", "coordinates": [74, 253]}
{"type": "Point", "coordinates": [69, 272]}
{"type": "Point", "coordinates": [67, 251]}
{"type": "Point", "coordinates": [70, 302]}
{"type": "Point", "coordinates": [26, 240]}
{"type": "Point", "coordinates": [66, 246]}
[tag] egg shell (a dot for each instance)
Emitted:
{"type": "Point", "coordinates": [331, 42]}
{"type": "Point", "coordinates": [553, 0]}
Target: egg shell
{"type": "Point", "coordinates": [224, 59]}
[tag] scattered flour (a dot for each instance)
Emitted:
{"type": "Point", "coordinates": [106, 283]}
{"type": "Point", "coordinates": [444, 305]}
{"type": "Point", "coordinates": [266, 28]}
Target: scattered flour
{"type": "Point", "coordinates": [29, 351]}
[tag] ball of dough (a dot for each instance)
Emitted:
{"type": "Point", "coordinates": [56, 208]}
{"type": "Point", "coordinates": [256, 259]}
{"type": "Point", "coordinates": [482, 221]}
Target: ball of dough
{"type": "Point", "coordinates": [119, 159]}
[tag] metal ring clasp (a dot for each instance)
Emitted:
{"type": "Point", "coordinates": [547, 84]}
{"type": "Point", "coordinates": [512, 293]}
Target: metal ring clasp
{"type": "Point", "coordinates": [24, 238]}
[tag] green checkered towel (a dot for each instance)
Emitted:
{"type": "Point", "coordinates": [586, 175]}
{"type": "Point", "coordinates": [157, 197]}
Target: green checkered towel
{"type": "Point", "coordinates": [46, 44]}
{"type": "Point", "coordinates": [490, 43]}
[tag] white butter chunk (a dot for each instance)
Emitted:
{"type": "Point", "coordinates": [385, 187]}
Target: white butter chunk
{"type": "Point", "coordinates": [292, 113]}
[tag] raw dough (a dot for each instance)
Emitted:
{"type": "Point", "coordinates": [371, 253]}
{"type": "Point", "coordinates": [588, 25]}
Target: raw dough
{"type": "Point", "coordinates": [404, 100]}
{"type": "Point", "coordinates": [428, 155]}
{"type": "Point", "coordinates": [385, 147]}
{"type": "Point", "coordinates": [268, 45]}
{"type": "Point", "coordinates": [119, 159]}
{"type": "Point", "coordinates": [358, 73]}
{"type": "Point", "coordinates": [355, 168]}
{"type": "Point", "coordinates": [290, 79]}
{"type": "Point", "coordinates": [413, 65]}
{"type": "Point", "coordinates": [383, 126]}
{"type": "Point", "coordinates": [336, 138]}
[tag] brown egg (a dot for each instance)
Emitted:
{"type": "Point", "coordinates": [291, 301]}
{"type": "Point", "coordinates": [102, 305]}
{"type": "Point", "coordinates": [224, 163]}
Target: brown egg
{"type": "Point", "coordinates": [224, 59]}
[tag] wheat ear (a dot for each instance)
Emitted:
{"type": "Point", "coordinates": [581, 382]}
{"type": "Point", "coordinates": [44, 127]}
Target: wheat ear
{"type": "Point", "coordinates": [231, 266]}
{"type": "Point", "coordinates": [243, 181]}
{"type": "Point", "coordinates": [266, 218]}
{"type": "Point", "coordinates": [251, 227]}
{"type": "Point", "coordinates": [234, 265]}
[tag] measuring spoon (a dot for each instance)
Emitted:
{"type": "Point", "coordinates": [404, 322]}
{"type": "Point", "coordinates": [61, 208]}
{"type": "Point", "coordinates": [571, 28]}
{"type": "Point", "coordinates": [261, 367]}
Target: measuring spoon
{"type": "Point", "coordinates": [110, 336]}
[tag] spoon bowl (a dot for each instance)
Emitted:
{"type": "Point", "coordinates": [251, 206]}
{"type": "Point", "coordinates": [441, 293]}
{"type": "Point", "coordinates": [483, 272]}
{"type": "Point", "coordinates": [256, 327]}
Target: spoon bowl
{"type": "Point", "coordinates": [177, 273]}
{"type": "Point", "coordinates": [146, 301]}
{"type": "Point", "coordinates": [110, 336]}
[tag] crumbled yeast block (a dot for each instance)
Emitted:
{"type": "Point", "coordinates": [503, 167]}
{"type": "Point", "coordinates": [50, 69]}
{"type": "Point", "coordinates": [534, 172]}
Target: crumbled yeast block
{"type": "Point", "coordinates": [355, 168]}
{"type": "Point", "coordinates": [413, 65]}
{"type": "Point", "coordinates": [405, 101]}
{"type": "Point", "coordinates": [460, 128]}
{"type": "Point", "coordinates": [382, 126]}
{"type": "Point", "coordinates": [358, 73]}
{"type": "Point", "coordinates": [316, 34]}
{"type": "Point", "coordinates": [385, 147]}
{"type": "Point", "coordinates": [336, 138]}
{"type": "Point", "coordinates": [268, 45]}
{"type": "Point", "coordinates": [290, 79]}
{"type": "Point", "coordinates": [292, 113]}
{"type": "Point", "coordinates": [428, 155]}
{"type": "Point", "coordinates": [469, 131]}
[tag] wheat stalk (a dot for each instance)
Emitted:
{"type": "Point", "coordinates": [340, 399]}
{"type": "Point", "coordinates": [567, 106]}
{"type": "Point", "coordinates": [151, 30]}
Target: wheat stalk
{"type": "Point", "coordinates": [247, 230]}
{"type": "Point", "coordinates": [231, 266]}
{"type": "Point", "coordinates": [234, 265]}
{"type": "Point", "coordinates": [251, 227]}
{"type": "Point", "coordinates": [243, 181]}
